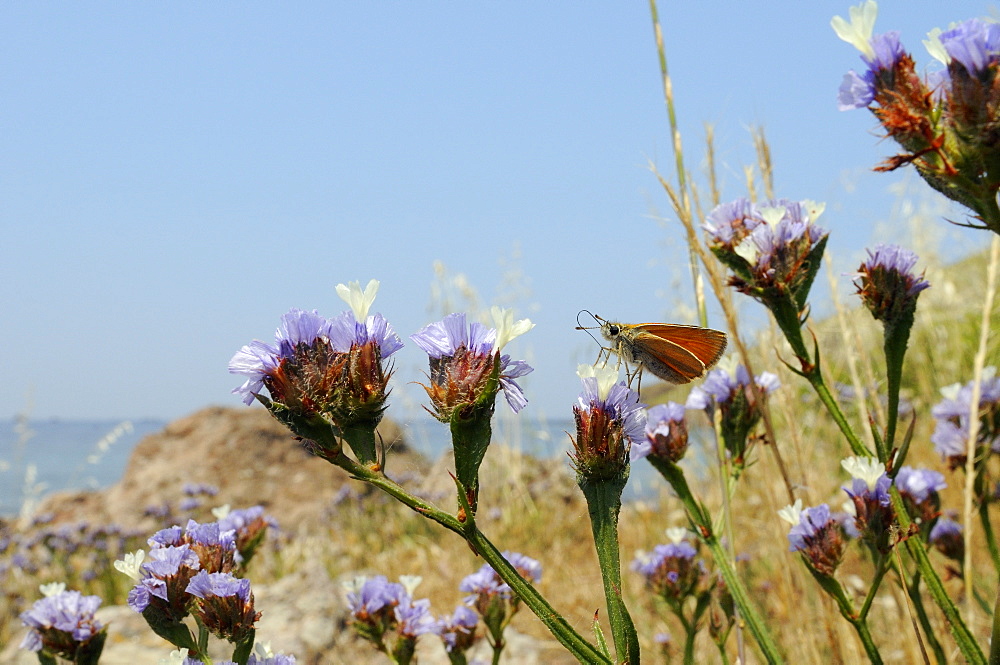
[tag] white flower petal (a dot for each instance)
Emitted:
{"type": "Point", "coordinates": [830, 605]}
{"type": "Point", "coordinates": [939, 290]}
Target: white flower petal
{"type": "Point", "coordinates": [792, 513]}
{"type": "Point", "coordinates": [858, 32]}
{"type": "Point", "coordinates": [359, 301]}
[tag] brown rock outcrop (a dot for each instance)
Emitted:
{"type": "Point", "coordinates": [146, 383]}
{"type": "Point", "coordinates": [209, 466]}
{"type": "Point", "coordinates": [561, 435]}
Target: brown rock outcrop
{"type": "Point", "coordinates": [251, 458]}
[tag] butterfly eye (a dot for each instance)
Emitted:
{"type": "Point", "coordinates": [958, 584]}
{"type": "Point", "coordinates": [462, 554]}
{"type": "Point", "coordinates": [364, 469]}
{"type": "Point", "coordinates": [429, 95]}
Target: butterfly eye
{"type": "Point", "coordinates": [613, 330]}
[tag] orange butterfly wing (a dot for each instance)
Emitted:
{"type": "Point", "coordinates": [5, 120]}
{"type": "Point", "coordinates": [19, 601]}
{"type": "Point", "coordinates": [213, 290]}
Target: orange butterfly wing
{"type": "Point", "coordinates": [704, 344]}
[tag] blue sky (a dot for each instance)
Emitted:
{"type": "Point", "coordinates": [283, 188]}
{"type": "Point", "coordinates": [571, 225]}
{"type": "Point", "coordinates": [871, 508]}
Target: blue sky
{"type": "Point", "coordinates": [175, 176]}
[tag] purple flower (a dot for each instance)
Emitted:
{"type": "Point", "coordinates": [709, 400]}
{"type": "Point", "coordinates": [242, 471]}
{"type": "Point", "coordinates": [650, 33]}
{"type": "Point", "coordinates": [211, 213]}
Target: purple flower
{"type": "Point", "coordinates": [610, 419]}
{"type": "Point", "coordinates": [974, 43]}
{"type": "Point", "coordinates": [858, 90]}
{"type": "Point", "coordinates": [670, 570]}
{"type": "Point", "coordinates": [62, 623]}
{"type": "Point", "coordinates": [773, 249]}
{"type": "Point", "coordinates": [887, 285]}
{"type": "Point", "coordinates": [316, 364]}
{"type": "Point", "coordinates": [666, 433]}
{"type": "Point", "coordinates": [530, 569]}
{"type": "Point", "coordinates": [732, 395]}
{"type": "Point", "coordinates": [920, 484]}
{"type": "Point", "coordinates": [457, 630]}
{"type": "Point", "coordinates": [483, 582]}
{"type": "Point", "coordinates": [374, 595]}
{"type": "Point", "coordinates": [414, 618]}
{"type": "Point", "coordinates": [220, 585]}
{"type": "Point", "coordinates": [462, 360]}
{"type": "Point", "coordinates": [951, 432]}
{"type": "Point", "coordinates": [946, 536]}
{"type": "Point", "coordinates": [729, 223]}
{"type": "Point", "coordinates": [167, 561]}
{"type": "Point", "coordinates": [144, 591]}
{"type": "Point", "coordinates": [869, 491]}
{"type": "Point", "coordinates": [224, 605]}
{"type": "Point", "coordinates": [819, 536]}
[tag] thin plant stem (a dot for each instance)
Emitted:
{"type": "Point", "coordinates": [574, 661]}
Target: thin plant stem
{"type": "Point", "coordinates": [988, 534]}
{"type": "Point", "coordinates": [556, 624]}
{"type": "Point", "coordinates": [968, 494]}
{"type": "Point", "coordinates": [909, 609]}
{"type": "Point", "coordinates": [913, 590]}
{"type": "Point", "coordinates": [915, 547]}
{"type": "Point", "coordinates": [725, 481]}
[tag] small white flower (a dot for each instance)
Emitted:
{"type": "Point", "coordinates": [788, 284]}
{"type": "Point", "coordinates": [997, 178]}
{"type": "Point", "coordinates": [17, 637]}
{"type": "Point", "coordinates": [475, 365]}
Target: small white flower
{"type": "Point", "coordinates": [360, 301]}
{"type": "Point", "coordinates": [507, 329]}
{"type": "Point", "coordinates": [772, 214]}
{"type": "Point", "coordinates": [868, 469]}
{"type": "Point", "coordinates": [936, 48]}
{"type": "Point", "coordinates": [410, 582]}
{"type": "Point", "coordinates": [858, 32]}
{"type": "Point", "coordinates": [263, 650]}
{"type": "Point", "coordinates": [52, 589]}
{"type": "Point", "coordinates": [176, 657]}
{"type": "Point", "coordinates": [748, 249]}
{"type": "Point", "coordinates": [606, 376]}
{"type": "Point", "coordinates": [951, 392]}
{"type": "Point", "coordinates": [131, 565]}
{"type": "Point", "coordinates": [793, 513]}
{"type": "Point", "coordinates": [814, 208]}
{"type": "Point", "coordinates": [221, 512]}
{"type": "Point", "coordinates": [354, 585]}
{"type": "Point", "coordinates": [677, 534]}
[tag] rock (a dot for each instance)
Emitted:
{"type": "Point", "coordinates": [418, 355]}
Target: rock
{"type": "Point", "coordinates": [251, 458]}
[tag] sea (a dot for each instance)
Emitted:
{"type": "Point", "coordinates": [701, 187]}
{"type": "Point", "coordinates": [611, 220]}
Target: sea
{"type": "Point", "coordinates": [38, 457]}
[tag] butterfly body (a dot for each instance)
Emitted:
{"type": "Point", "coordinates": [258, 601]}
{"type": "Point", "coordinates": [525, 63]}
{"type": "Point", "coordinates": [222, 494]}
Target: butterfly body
{"type": "Point", "coordinates": [672, 352]}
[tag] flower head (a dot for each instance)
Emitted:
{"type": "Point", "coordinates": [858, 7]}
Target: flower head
{"type": "Point", "coordinates": [64, 624]}
{"type": "Point", "coordinates": [869, 491]}
{"type": "Point", "coordinates": [457, 630]}
{"type": "Point", "coordinates": [946, 536]}
{"type": "Point", "coordinates": [887, 285]}
{"type": "Point", "coordinates": [323, 366]}
{"type": "Point", "coordinates": [466, 367]}
{"type": "Point", "coordinates": [671, 570]}
{"type": "Point", "coordinates": [666, 433]}
{"type": "Point", "coordinates": [224, 604]}
{"type": "Point", "coordinates": [819, 536]}
{"type": "Point", "coordinates": [609, 421]}
{"type": "Point", "coordinates": [974, 43]}
{"type": "Point", "coordinates": [727, 388]}
{"type": "Point", "coordinates": [773, 248]}
{"type": "Point", "coordinates": [951, 415]}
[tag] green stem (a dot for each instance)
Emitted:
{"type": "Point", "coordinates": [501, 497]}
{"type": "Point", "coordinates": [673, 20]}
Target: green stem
{"type": "Point", "coordinates": [963, 637]}
{"type": "Point", "coordinates": [604, 505]}
{"type": "Point", "coordinates": [913, 590]}
{"type": "Point", "coordinates": [858, 621]}
{"type": "Point", "coordinates": [557, 625]}
{"type": "Point", "coordinates": [690, 632]}
{"type": "Point", "coordinates": [881, 567]}
{"type": "Point", "coordinates": [995, 635]}
{"type": "Point", "coordinates": [990, 535]}
{"type": "Point", "coordinates": [702, 523]}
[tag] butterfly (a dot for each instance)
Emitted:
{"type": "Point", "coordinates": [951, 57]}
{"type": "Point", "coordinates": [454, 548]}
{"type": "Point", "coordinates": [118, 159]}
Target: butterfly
{"type": "Point", "coordinates": [670, 351]}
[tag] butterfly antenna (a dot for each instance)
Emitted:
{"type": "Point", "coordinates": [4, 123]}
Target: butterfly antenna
{"type": "Point", "coordinates": [579, 326]}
